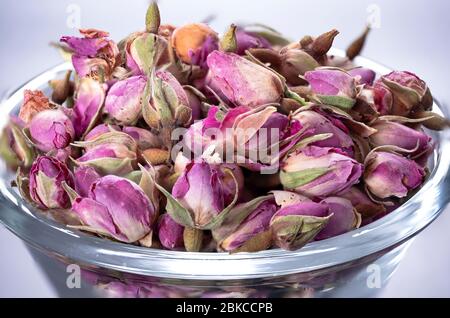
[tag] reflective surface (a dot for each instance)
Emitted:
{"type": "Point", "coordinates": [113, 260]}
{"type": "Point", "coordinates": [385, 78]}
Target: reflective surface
{"type": "Point", "coordinates": [337, 266]}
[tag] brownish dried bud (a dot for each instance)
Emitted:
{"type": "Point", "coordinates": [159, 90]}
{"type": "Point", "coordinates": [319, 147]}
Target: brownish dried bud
{"type": "Point", "coordinates": [62, 88]}
{"type": "Point", "coordinates": [356, 47]}
{"type": "Point", "coordinates": [322, 44]}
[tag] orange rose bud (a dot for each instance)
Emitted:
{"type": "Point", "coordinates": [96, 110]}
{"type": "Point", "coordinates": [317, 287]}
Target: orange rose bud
{"type": "Point", "coordinates": [189, 39]}
{"type": "Point", "coordinates": [33, 103]}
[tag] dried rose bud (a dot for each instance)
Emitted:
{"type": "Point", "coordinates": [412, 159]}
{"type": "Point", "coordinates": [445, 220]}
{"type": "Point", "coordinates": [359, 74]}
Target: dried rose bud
{"type": "Point", "coordinates": [168, 105]}
{"type": "Point", "coordinates": [297, 224]}
{"type": "Point", "coordinates": [383, 98]}
{"type": "Point", "coordinates": [47, 175]}
{"type": "Point", "coordinates": [14, 148]}
{"type": "Point", "coordinates": [249, 40]}
{"type": "Point", "coordinates": [363, 204]}
{"type": "Point", "coordinates": [89, 100]}
{"type": "Point", "coordinates": [343, 218]}
{"type": "Point", "coordinates": [84, 178]}
{"type": "Point", "coordinates": [319, 172]}
{"type": "Point", "coordinates": [195, 102]}
{"type": "Point", "coordinates": [170, 233]}
{"type": "Point", "coordinates": [199, 180]}
{"type": "Point", "coordinates": [242, 82]}
{"type": "Point", "coordinates": [110, 153]}
{"type": "Point", "coordinates": [333, 87]}
{"type": "Point", "coordinates": [253, 233]}
{"type": "Point", "coordinates": [51, 129]}
{"type": "Point", "coordinates": [100, 130]}
{"type": "Point", "coordinates": [391, 175]}
{"type": "Point", "coordinates": [391, 133]}
{"type": "Point", "coordinates": [123, 102]}
{"type": "Point", "coordinates": [295, 62]}
{"type": "Point", "coordinates": [409, 92]}
{"type": "Point", "coordinates": [62, 88]}
{"type": "Point", "coordinates": [363, 75]}
{"type": "Point", "coordinates": [143, 52]}
{"type": "Point", "coordinates": [145, 139]}
{"type": "Point", "coordinates": [193, 42]}
{"type": "Point", "coordinates": [33, 103]}
{"type": "Point", "coordinates": [118, 208]}
{"type": "Point", "coordinates": [315, 123]}
{"type": "Point", "coordinates": [93, 55]}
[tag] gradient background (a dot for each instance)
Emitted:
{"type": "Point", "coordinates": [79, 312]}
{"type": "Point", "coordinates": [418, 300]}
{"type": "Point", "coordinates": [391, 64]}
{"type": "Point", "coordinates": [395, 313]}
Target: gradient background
{"type": "Point", "coordinates": [412, 35]}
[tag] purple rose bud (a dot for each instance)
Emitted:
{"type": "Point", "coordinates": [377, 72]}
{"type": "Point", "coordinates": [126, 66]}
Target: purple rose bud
{"type": "Point", "coordinates": [47, 175]}
{"type": "Point", "coordinates": [392, 175]}
{"type": "Point", "coordinates": [363, 204]}
{"type": "Point", "coordinates": [110, 153]}
{"type": "Point", "coordinates": [228, 181]}
{"type": "Point", "coordinates": [333, 87]}
{"type": "Point", "coordinates": [364, 76]}
{"type": "Point", "coordinates": [382, 98]}
{"type": "Point", "coordinates": [51, 129]}
{"type": "Point", "coordinates": [396, 134]}
{"type": "Point", "coordinates": [319, 172]}
{"type": "Point", "coordinates": [242, 82]}
{"type": "Point", "coordinates": [94, 55]}
{"type": "Point", "coordinates": [315, 124]}
{"type": "Point", "coordinates": [123, 102]}
{"type": "Point", "coordinates": [100, 130]}
{"type": "Point", "coordinates": [254, 226]}
{"type": "Point", "coordinates": [118, 208]}
{"type": "Point", "coordinates": [409, 92]}
{"type": "Point", "coordinates": [249, 40]}
{"type": "Point", "coordinates": [145, 139]}
{"type": "Point", "coordinates": [295, 225]}
{"type": "Point", "coordinates": [88, 104]}
{"type": "Point", "coordinates": [343, 218]}
{"type": "Point", "coordinates": [170, 233]}
{"type": "Point", "coordinates": [84, 178]}
{"type": "Point", "coordinates": [200, 180]}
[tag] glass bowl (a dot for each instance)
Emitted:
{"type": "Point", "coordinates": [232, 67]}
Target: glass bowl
{"type": "Point", "coordinates": [355, 264]}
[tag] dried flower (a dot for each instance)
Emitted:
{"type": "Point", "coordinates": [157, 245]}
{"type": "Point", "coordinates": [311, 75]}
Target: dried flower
{"type": "Point", "coordinates": [33, 103]}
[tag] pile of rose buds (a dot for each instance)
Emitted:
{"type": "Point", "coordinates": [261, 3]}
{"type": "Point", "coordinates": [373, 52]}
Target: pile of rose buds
{"type": "Point", "coordinates": [176, 138]}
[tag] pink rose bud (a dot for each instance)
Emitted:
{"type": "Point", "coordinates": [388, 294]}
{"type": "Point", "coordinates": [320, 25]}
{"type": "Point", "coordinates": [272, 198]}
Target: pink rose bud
{"type": "Point", "coordinates": [254, 226]}
{"type": "Point", "coordinates": [110, 153]}
{"type": "Point", "coordinates": [123, 103]}
{"type": "Point", "coordinates": [333, 87]}
{"type": "Point", "coordinates": [363, 204]}
{"type": "Point", "coordinates": [47, 175]}
{"type": "Point", "coordinates": [100, 130]}
{"type": "Point", "coordinates": [51, 129]}
{"type": "Point", "coordinates": [409, 92]}
{"type": "Point", "coordinates": [391, 175]}
{"type": "Point", "coordinates": [199, 180]}
{"type": "Point", "coordinates": [242, 82]}
{"type": "Point", "coordinates": [93, 55]}
{"type": "Point", "coordinates": [144, 138]}
{"type": "Point", "coordinates": [84, 178]}
{"type": "Point", "coordinates": [364, 76]}
{"type": "Point", "coordinates": [170, 233]}
{"type": "Point", "coordinates": [319, 172]}
{"type": "Point", "coordinates": [315, 124]}
{"type": "Point", "coordinates": [343, 218]}
{"type": "Point", "coordinates": [118, 208]}
{"type": "Point", "coordinates": [293, 226]}
{"type": "Point", "coordinates": [396, 134]}
{"type": "Point", "coordinates": [382, 98]}
{"type": "Point", "coordinates": [89, 100]}
{"type": "Point", "coordinates": [249, 40]}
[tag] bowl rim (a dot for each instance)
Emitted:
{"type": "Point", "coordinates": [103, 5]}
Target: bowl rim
{"type": "Point", "coordinates": [391, 230]}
